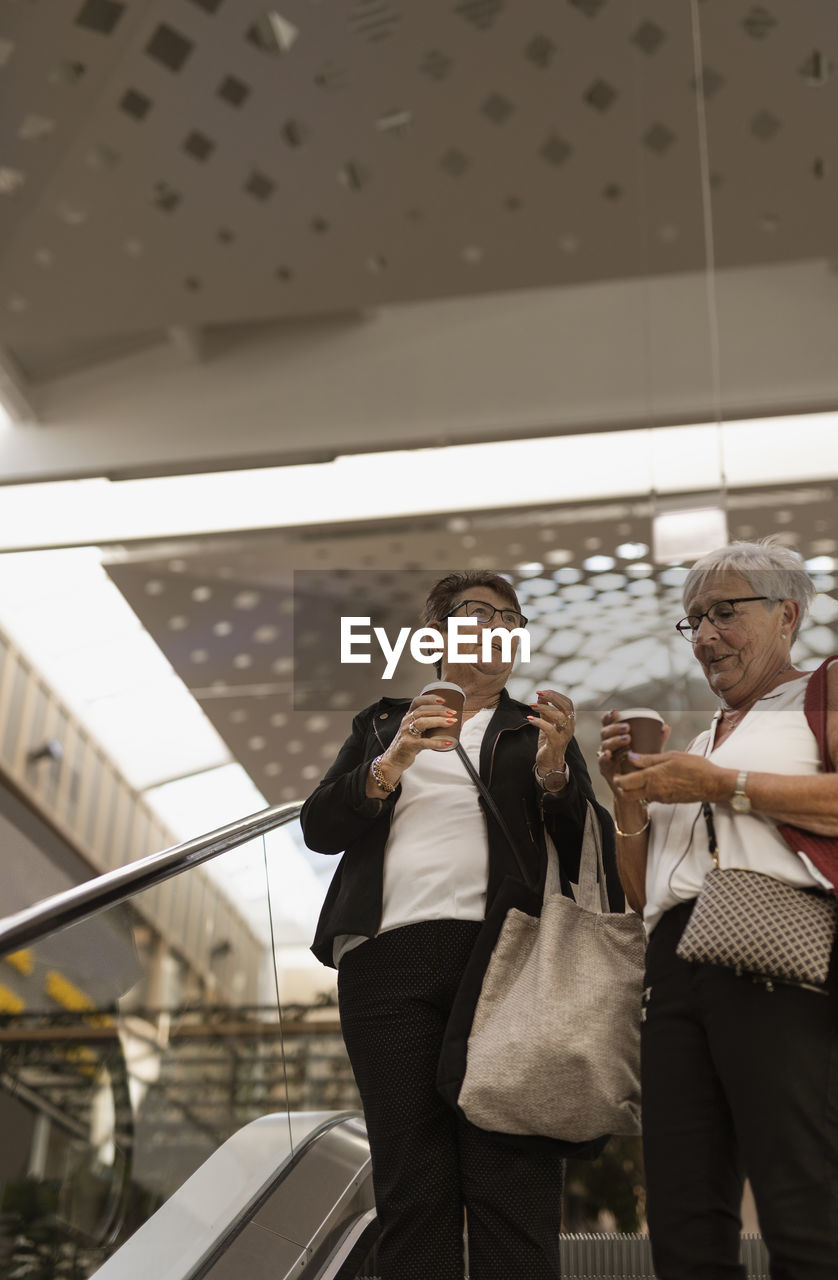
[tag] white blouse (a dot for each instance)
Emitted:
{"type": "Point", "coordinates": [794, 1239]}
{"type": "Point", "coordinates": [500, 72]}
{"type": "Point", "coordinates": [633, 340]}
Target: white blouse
{"type": "Point", "coordinates": [436, 860]}
{"type": "Point", "coordinates": [773, 737]}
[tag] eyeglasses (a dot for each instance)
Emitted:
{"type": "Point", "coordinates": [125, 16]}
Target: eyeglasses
{"type": "Point", "coordinates": [485, 612]}
{"type": "Point", "coordinates": [720, 615]}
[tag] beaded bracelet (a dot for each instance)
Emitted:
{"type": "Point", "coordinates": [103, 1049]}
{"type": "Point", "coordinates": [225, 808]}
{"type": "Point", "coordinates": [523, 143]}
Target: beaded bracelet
{"type": "Point", "coordinates": [377, 777]}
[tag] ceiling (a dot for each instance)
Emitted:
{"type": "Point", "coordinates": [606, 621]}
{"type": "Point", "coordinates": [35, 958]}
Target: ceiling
{"type": "Point", "coordinates": [178, 169]}
{"type": "Point", "coordinates": [205, 176]}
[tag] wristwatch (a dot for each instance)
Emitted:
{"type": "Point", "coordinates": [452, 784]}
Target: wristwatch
{"type": "Point", "coordinates": [541, 778]}
{"type": "Point", "coordinates": [739, 801]}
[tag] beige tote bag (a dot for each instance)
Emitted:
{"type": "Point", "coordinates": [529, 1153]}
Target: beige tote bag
{"type": "Point", "coordinates": [554, 1048]}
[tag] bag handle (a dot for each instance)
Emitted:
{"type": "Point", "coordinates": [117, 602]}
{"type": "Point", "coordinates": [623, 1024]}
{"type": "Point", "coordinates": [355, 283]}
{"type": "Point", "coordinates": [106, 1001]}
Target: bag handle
{"type": "Point", "coordinates": [495, 812]}
{"type": "Point", "coordinates": [592, 889]}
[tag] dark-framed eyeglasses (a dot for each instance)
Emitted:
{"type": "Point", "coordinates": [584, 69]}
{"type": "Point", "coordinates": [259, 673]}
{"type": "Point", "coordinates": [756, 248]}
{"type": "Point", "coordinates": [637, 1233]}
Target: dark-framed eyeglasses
{"type": "Point", "coordinates": [720, 615]}
{"type": "Point", "coordinates": [485, 612]}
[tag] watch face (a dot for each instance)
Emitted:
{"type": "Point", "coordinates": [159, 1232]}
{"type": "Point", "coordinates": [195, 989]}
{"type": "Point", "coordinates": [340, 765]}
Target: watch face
{"type": "Point", "coordinates": [740, 803]}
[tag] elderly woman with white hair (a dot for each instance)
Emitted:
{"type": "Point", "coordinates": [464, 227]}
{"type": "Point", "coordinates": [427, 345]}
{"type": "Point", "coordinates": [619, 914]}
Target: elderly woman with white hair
{"type": "Point", "coordinates": [740, 1071]}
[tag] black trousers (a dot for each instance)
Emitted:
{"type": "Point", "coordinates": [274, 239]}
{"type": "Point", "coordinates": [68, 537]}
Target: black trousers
{"type": "Point", "coordinates": [739, 1079]}
{"type": "Point", "coordinates": [429, 1164]}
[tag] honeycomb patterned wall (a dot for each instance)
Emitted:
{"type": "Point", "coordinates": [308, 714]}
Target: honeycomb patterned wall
{"type": "Point", "coordinates": [601, 615]}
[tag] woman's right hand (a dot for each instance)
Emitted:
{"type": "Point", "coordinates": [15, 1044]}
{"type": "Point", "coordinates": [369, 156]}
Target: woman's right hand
{"type": "Point", "coordinates": [426, 711]}
{"type": "Point", "coordinates": [614, 737]}
{"type": "Point", "coordinates": [631, 815]}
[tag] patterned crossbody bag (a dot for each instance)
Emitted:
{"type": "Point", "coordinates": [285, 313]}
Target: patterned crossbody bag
{"type": "Point", "coordinates": [755, 924]}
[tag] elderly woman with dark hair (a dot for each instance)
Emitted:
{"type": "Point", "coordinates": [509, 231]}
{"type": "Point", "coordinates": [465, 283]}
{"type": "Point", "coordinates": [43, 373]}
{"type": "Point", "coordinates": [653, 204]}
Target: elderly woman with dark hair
{"type": "Point", "coordinates": [740, 1074]}
{"type": "Point", "coordinates": [423, 861]}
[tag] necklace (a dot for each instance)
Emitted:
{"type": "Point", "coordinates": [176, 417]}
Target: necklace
{"type": "Point", "coordinates": [487, 706]}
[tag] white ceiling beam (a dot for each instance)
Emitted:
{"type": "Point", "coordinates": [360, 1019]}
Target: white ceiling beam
{"type": "Point", "coordinates": [189, 341]}
{"type": "Point", "coordinates": [539, 362]}
{"type": "Point", "coordinates": [14, 392]}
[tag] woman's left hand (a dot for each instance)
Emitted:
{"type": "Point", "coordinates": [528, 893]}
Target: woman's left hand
{"type": "Point", "coordinates": [675, 777]}
{"type": "Point", "coordinates": [555, 720]}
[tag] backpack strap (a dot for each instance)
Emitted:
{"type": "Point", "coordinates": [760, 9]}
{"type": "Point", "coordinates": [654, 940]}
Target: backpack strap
{"type": "Point", "coordinates": [816, 707]}
{"type": "Point", "coordinates": [822, 850]}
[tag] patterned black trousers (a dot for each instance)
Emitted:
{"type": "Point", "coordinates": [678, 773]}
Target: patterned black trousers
{"type": "Point", "coordinates": [429, 1164]}
{"type": "Point", "coordinates": [739, 1079]}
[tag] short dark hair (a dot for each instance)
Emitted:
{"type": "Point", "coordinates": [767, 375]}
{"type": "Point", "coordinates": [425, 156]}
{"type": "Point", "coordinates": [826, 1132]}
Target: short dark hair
{"type": "Point", "coordinates": [444, 594]}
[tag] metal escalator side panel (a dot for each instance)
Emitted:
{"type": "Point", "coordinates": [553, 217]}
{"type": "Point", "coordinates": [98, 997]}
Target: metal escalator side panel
{"type": "Point", "coordinates": [310, 1210]}
{"type": "Point", "coordinates": [352, 1249]}
{"type": "Point", "coordinates": [218, 1200]}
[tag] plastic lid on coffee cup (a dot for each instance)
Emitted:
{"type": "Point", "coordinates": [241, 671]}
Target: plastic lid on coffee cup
{"type": "Point", "coordinates": [637, 713]}
{"type": "Point", "coordinates": [443, 684]}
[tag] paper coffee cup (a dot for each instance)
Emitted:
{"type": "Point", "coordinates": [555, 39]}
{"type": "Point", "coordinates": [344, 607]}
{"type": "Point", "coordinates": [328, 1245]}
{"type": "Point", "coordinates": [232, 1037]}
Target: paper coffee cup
{"type": "Point", "coordinates": [646, 729]}
{"type": "Point", "coordinates": [453, 697]}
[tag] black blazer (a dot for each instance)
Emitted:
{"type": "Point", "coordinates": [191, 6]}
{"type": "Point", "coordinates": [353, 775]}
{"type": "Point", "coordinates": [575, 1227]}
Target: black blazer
{"type": "Point", "coordinates": [340, 817]}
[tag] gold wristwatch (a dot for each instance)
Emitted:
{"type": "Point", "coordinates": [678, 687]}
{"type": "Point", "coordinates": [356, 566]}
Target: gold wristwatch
{"type": "Point", "coordinates": [739, 801]}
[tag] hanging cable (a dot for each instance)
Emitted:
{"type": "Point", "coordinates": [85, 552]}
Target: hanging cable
{"type": "Point", "coordinates": [711, 297]}
{"type": "Point", "coordinates": [668, 676]}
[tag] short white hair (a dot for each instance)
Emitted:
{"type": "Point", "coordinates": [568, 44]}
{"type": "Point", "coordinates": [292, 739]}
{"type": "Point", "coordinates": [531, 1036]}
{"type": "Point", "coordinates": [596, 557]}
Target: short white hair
{"type": "Point", "coordinates": [769, 569]}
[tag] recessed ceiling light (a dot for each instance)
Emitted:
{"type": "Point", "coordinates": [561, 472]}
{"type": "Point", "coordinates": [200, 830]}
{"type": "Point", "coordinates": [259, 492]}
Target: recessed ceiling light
{"type": "Point", "coordinates": [681, 535]}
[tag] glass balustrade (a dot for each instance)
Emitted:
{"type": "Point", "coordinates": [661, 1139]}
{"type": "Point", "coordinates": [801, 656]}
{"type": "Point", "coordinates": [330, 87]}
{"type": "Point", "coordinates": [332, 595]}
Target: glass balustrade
{"type": "Point", "coordinates": [133, 1044]}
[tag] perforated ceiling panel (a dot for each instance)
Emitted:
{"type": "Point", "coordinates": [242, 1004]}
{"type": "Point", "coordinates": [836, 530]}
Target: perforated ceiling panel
{"type": "Point", "coordinates": [211, 162]}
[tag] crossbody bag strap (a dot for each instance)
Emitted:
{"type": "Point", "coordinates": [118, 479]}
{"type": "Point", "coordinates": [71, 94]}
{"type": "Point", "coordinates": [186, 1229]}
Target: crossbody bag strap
{"type": "Point", "coordinates": [712, 842]}
{"type": "Point", "coordinates": [494, 811]}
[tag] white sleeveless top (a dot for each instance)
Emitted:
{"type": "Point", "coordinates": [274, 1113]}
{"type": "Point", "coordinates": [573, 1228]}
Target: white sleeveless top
{"type": "Point", "coordinates": [774, 737]}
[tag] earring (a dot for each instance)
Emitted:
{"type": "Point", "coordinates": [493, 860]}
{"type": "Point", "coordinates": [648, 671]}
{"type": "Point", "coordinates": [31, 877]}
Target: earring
{"type": "Point", "coordinates": [783, 635]}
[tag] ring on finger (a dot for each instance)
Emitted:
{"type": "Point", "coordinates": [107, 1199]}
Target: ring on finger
{"type": "Point", "coordinates": [411, 728]}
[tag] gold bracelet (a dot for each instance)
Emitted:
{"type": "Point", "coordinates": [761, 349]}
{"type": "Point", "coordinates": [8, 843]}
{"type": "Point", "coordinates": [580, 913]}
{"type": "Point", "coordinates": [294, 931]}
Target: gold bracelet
{"type": "Point", "coordinates": [627, 835]}
{"type": "Point", "coordinates": [378, 779]}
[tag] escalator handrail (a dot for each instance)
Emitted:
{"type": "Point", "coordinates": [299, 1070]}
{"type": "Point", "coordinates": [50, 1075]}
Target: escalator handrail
{"type": "Point", "coordinates": [84, 900]}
